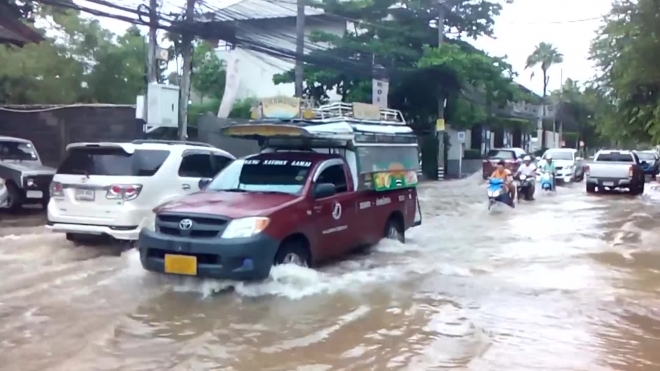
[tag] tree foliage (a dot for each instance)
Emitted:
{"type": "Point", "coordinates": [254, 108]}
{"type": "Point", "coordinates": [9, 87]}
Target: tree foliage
{"type": "Point", "coordinates": [208, 73]}
{"type": "Point", "coordinates": [79, 62]}
{"type": "Point", "coordinates": [545, 55]}
{"type": "Point", "coordinates": [403, 38]}
{"type": "Point", "coordinates": [627, 50]}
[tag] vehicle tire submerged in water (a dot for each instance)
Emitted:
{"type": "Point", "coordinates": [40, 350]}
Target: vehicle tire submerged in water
{"type": "Point", "coordinates": [14, 197]}
{"type": "Point", "coordinates": [394, 230]}
{"type": "Point", "coordinates": [293, 252]}
{"type": "Point", "coordinates": [591, 188]}
{"type": "Point", "coordinates": [636, 189]}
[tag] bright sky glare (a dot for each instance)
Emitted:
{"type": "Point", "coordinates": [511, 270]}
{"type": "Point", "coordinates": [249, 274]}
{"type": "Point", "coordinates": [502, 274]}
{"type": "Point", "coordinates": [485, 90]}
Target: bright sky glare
{"type": "Point", "coordinates": [567, 24]}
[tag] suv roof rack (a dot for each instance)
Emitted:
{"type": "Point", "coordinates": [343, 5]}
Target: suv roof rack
{"type": "Point", "coordinates": [172, 142]}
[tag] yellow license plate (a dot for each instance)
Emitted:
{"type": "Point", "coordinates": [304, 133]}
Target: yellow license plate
{"type": "Point", "coordinates": [181, 264]}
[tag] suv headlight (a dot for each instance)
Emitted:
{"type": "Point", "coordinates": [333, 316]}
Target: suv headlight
{"type": "Point", "coordinates": [245, 227]}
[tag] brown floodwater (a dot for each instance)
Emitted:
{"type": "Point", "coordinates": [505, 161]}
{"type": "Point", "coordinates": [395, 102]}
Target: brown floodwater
{"type": "Point", "coordinates": [570, 282]}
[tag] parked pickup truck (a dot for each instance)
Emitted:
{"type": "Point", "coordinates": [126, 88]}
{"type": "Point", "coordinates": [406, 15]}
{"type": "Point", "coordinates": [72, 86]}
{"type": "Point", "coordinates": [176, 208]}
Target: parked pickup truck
{"type": "Point", "coordinates": [612, 169]}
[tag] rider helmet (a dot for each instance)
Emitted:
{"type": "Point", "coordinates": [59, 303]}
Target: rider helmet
{"type": "Point", "coordinates": [548, 157]}
{"type": "Point", "coordinates": [527, 158]}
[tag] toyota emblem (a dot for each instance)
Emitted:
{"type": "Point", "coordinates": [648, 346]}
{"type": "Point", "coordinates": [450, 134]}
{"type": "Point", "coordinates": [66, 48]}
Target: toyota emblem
{"type": "Point", "coordinates": [185, 224]}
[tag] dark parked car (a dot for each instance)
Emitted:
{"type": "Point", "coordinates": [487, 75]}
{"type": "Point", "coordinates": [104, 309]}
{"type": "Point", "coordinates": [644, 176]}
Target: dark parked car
{"type": "Point", "coordinates": [511, 156]}
{"type": "Point", "coordinates": [26, 178]}
{"type": "Point", "coordinates": [650, 162]}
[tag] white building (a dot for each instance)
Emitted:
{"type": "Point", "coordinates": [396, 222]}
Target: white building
{"type": "Point", "coordinates": [273, 24]}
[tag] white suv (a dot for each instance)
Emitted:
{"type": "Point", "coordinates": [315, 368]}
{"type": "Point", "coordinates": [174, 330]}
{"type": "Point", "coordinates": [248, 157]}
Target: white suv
{"type": "Point", "coordinates": [111, 188]}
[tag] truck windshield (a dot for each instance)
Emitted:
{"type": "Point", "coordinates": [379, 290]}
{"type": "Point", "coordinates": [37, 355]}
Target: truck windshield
{"type": "Point", "coordinates": [13, 150]}
{"type": "Point", "coordinates": [262, 175]}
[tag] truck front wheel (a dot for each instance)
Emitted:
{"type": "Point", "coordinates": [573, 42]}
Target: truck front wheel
{"type": "Point", "coordinates": [293, 251]}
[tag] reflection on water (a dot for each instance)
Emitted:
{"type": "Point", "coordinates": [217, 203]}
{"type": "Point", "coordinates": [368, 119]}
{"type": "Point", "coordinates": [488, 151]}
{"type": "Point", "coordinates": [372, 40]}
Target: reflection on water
{"type": "Point", "coordinates": [568, 282]}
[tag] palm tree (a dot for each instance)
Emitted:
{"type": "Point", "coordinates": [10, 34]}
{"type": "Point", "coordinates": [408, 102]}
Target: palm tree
{"type": "Point", "coordinates": [545, 55]}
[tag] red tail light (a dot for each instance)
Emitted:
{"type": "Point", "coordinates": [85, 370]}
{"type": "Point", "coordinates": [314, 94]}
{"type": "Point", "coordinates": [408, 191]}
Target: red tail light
{"type": "Point", "coordinates": [56, 189]}
{"type": "Point", "coordinates": [124, 192]}
{"type": "Point", "coordinates": [630, 172]}
{"type": "Point", "coordinates": [586, 170]}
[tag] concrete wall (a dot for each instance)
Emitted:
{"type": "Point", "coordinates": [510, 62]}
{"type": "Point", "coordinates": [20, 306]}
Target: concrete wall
{"type": "Point", "coordinates": [468, 167]}
{"type": "Point", "coordinates": [208, 131]}
{"type": "Point", "coordinates": [52, 128]}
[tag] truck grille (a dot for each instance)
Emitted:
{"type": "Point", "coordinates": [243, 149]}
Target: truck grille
{"type": "Point", "coordinates": [41, 182]}
{"type": "Point", "coordinates": [202, 226]}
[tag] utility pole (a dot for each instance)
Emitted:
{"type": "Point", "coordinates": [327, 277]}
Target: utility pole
{"type": "Point", "coordinates": [186, 54]}
{"type": "Point", "coordinates": [152, 62]}
{"type": "Point", "coordinates": [561, 103]}
{"type": "Point", "coordinates": [300, 47]}
{"type": "Point", "coordinates": [440, 134]}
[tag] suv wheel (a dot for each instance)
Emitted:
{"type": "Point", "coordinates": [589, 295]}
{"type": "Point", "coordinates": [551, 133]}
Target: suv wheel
{"type": "Point", "coordinates": [394, 230]}
{"type": "Point", "coordinates": [14, 197]}
{"type": "Point", "coordinates": [293, 252]}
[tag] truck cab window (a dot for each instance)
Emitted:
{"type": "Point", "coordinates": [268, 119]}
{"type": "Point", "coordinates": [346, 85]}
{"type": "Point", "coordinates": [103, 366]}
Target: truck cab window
{"type": "Point", "coordinates": [334, 174]}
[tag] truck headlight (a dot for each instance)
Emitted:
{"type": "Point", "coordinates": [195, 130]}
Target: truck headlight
{"type": "Point", "coordinates": [245, 227]}
{"type": "Point", "coordinates": [29, 182]}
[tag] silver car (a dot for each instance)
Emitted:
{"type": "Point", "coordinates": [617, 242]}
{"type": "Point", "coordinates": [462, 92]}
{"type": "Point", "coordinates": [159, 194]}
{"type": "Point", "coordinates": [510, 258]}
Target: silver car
{"type": "Point", "coordinates": [3, 193]}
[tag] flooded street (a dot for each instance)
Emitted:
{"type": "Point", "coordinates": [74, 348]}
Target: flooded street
{"type": "Point", "coordinates": [569, 282]}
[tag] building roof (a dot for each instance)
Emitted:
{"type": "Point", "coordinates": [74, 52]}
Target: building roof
{"type": "Point", "coordinates": [244, 10]}
{"type": "Point", "coordinates": [13, 31]}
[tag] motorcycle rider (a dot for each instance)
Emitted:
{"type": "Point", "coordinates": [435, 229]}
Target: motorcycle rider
{"type": "Point", "coordinates": [503, 173]}
{"type": "Point", "coordinates": [529, 170]}
{"type": "Point", "coordinates": [549, 167]}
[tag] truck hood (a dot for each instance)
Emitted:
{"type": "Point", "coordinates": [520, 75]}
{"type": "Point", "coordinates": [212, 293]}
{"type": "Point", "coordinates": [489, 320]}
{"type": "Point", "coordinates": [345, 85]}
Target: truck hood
{"type": "Point", "coordinates": [229, 204]}
{"type": "Point", "coordinates": [28, 167]}
{"type": "Point", "coordinates": [564, 163]}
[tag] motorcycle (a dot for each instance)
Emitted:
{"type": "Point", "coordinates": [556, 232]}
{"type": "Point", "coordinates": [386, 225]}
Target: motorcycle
{"type": "Point", "coordinates": [496, 193]}
{"type": "Point", "coordinates": [547, 181]}
{"type": "Point", "coordinates": [524, 187]}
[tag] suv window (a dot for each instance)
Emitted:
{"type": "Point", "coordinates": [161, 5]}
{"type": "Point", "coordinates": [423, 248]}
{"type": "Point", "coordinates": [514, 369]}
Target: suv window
{"type": "Point", "coordinates": [336, 175]}
{"type": "Point", "coordinates": [615, 157]}
{"type": "Point", "coordinates": [112, 161]}
{"type": "Point", "coordinates": [500, 154]}
{"type": "Point", "coordinates": [221, 162]}
{"type": "Point", "coordinates": [196, 165]}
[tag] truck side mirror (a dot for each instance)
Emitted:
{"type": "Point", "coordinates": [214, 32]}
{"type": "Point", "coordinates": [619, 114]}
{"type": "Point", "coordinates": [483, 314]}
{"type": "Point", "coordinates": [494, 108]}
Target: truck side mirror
{"type": "Point", "coordinates": [323, 190]}
{"type": "Point", "coordinates": [204, 182]}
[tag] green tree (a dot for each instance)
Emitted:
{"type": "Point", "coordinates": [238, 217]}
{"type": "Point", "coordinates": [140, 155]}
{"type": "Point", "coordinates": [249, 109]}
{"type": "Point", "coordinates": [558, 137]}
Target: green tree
{"type": "Point", "coordinates": [118, 73]}
{"type": "Point", "coordinates": [627, 50]}
{"type": "Point", "coordinates": [544, 55]}
{"type": "Point", "coordinates": [208, 73]}
{"type": "Point", "coordinates": [83, 63]}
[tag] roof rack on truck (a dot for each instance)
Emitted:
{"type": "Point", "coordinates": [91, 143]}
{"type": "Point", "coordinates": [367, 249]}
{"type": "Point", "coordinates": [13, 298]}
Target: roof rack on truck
{"type": "Point", "coordinates": [381, 150]}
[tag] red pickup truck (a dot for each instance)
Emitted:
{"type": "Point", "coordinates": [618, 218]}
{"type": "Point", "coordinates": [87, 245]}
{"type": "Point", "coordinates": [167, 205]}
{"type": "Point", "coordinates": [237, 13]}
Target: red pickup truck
{"type": "Point", "coordinates": [300, 207]}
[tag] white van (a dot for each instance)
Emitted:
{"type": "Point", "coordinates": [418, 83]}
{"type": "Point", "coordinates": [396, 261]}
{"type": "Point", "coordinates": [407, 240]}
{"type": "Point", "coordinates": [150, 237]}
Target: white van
{"type": "Point", "coordinates": [111, 188]}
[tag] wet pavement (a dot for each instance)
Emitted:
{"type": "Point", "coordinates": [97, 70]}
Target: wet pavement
{"type": "Point", "coordinates": [569, 282]}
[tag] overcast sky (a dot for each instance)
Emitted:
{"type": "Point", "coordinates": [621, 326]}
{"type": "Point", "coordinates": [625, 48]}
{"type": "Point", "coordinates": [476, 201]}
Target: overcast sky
{"type": "Point", "coordinates": [570, 25]}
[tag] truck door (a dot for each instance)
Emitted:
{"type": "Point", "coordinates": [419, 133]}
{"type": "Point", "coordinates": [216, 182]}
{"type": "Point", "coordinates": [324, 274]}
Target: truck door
{"type": "Point", "coordinates": [334, 216]}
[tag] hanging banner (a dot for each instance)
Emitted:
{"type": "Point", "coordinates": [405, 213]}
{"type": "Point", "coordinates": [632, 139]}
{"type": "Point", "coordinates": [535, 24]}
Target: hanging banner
{"type": "Point", "coordinates": [231, 84]}
{"type": "Point", "coordinates": [380, 90]}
